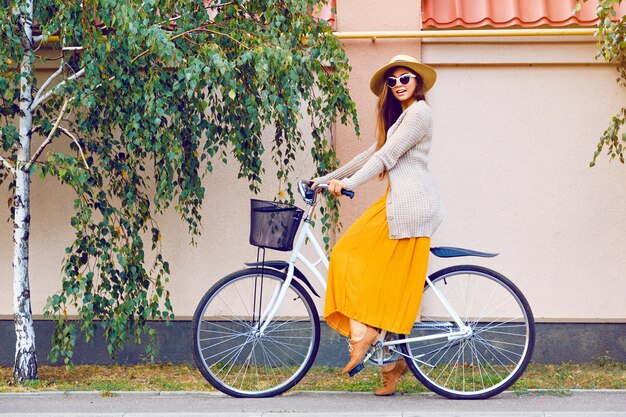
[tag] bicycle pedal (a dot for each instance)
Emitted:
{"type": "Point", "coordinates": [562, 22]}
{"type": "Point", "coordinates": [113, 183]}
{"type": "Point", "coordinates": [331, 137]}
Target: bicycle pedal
{"type": "Point", "coordinates": [356, 369]}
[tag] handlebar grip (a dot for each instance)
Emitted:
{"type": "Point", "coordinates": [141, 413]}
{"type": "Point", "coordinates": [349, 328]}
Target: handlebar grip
{"type": "Point", "coordinates": [348, 193]}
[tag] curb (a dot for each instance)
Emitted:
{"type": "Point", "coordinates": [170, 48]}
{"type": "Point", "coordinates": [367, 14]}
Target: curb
{"type": "Point", "coordinates": [556, 391]}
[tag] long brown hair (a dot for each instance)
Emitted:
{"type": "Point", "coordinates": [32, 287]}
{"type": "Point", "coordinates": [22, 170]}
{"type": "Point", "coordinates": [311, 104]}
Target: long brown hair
{"type": "Point", "coordinates": [389, 108]}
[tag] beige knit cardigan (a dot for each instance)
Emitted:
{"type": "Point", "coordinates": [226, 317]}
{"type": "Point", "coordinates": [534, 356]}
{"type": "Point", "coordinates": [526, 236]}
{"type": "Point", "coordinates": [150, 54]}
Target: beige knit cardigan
{"type": "Point", "coordinates": [413, 204]}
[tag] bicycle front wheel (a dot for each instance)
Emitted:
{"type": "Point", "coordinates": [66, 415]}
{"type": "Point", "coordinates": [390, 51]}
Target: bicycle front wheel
{"type": "Point", "coordinates": [230, 350]}
{"type": "Point", "coordinates": [486, 360]}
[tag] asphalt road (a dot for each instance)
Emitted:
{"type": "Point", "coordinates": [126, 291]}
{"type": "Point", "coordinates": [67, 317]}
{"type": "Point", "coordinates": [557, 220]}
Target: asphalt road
{"type": "Point", "coordinates": [312, 404]}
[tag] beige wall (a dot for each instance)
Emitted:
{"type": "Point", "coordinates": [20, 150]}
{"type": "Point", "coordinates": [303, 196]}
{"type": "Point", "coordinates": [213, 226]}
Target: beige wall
{"type": "Point", "coordinates": [516, 124]}
{"type": "Point", "coordinates": [222, 248]}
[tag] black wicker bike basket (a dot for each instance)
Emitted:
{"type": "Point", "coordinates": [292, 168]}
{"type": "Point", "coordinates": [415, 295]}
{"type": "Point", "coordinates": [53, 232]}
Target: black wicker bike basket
{"type": "Point", "coordinates": [273, 225]}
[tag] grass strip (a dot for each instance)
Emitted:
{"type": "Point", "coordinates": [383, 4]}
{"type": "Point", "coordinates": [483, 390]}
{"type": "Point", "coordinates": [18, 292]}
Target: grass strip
{"type": "Point", "coordinates": [166, 377]}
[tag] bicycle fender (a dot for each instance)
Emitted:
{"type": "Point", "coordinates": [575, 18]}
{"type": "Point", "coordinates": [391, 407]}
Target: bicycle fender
{"type": "Point", "coordinates": [452, 252]}
{"type": "Point", "coordinates": [282, 266]}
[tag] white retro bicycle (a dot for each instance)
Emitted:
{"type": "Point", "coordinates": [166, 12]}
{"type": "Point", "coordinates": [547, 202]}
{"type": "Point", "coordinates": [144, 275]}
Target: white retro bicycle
{"type": "Point", "coordinates": [256, 332]}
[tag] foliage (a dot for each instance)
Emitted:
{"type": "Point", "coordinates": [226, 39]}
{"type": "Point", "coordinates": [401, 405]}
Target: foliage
{"type": "Point", "coordinates": [148, 105]}
{"type": "Point", "coordinates": [612, 40]}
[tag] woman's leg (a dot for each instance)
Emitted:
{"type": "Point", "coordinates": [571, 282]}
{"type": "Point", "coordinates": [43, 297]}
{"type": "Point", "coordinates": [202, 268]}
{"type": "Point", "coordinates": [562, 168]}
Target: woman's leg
{"type": "Point", "coordinates": [361, 337]}
{"type": "Point", "coordinates": [357, 330]}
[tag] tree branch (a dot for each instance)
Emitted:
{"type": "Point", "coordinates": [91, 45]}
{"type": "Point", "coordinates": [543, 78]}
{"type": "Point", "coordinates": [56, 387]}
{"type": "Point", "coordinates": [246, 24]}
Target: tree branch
{"type": "Point", "coordinates": [46, 84]}
{"type": "Point", "coordinates": [200, 29]}
{"type": "Point", "coordinates": [8, 165]}
{"type": "Point", "coordinates": [39, 98]}
{"type": "Point", "coordinates": [49, 138]}
{"type": "Point", "coordinates": [53, 91]}
{"type": "Point", "coordinates": [206, 7]}
{"type": "Point", "coordinates": [80, 149]}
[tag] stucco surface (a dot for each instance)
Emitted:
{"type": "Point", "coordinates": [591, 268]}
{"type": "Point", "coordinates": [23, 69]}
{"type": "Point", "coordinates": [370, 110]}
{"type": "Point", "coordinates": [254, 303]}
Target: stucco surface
{"type": "Point", "coordinates": [516, 125]}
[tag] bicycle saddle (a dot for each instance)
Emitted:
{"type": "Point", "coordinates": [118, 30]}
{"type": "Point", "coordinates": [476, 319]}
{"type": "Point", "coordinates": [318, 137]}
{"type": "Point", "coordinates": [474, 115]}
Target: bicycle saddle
{"type": "Point", "coordinates": [451, 252]}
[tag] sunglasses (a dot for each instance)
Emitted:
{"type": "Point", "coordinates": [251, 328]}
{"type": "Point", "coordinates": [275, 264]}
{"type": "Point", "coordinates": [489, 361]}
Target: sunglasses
{"type": "Point", "coordinates": [403, 79]}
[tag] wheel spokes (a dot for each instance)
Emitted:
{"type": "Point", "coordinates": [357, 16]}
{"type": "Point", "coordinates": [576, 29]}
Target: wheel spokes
{"type": "Point", "coordinates": [491, 355]}
{"type": "Point", "coordinates": [236, 356]}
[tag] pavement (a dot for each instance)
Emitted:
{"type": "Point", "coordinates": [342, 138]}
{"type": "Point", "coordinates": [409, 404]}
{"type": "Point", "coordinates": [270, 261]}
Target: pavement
{"type": "Point", "coordinates": [575, 403]}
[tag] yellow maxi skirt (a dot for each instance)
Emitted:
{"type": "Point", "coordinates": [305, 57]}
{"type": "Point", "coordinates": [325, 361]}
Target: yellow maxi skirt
{"type": "Point", "coordinates": [374, 279]}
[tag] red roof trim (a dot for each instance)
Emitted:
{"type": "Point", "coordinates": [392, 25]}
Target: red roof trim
{"type": "Point", "coordinates": [504, 13]}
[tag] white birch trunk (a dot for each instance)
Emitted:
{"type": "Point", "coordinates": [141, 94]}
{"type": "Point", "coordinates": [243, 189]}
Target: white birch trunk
{"type": "Point", "coordinates": [25, 355]}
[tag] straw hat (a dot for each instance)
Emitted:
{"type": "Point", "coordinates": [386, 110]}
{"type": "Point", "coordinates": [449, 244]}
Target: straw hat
{"type": "Point", "coordinates": [427, 73]}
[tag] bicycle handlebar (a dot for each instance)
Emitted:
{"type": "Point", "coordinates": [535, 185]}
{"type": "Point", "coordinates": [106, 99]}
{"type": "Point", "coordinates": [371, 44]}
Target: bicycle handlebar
{"type": "Point", "coordinates": [345, 192]}
{"type": "Point", "coordinates": [309, 194]}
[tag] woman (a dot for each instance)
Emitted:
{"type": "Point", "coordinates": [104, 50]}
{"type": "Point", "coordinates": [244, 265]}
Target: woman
{"type": "Point", "coordinates": [378, 267]}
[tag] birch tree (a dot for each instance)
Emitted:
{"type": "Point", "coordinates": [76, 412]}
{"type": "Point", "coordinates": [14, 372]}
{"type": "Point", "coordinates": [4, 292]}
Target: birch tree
{"type": "Point", "coordinates": [149, 95]}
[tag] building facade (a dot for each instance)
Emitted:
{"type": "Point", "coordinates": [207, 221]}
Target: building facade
{"type": "Point", "coordinates": [517, 120]}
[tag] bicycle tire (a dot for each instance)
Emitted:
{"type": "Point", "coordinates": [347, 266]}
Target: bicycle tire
{"type": "Point", "coordinates": [229, 351]}
{"type": "Point", "coordinates": [497, 352]}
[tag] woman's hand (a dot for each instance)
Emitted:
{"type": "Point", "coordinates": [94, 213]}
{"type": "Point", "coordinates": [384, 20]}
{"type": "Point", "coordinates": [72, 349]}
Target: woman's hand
{"type": "Point", "coordinates": [335, 187]}
{"type": "Point", "coordinates": [314, 184]}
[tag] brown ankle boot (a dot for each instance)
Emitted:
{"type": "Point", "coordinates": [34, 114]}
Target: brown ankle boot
{"type": "Point", "coordinates": [391, 377]}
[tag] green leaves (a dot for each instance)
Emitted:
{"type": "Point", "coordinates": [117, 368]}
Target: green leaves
{"type": "Point", "coordinates": [612, 39]}
{"type": "Point", "coordinates": [160, 101]}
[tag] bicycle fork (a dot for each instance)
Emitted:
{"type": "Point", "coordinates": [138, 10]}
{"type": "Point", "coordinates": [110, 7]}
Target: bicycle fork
{"type": "Point", "coordinates": [275, 301]}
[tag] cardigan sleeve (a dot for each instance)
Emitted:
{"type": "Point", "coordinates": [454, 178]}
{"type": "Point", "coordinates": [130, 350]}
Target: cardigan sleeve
{"type": "Point", "coordinates": [349, 168]}
{"type": "Point", "coordinates": [410, 132]}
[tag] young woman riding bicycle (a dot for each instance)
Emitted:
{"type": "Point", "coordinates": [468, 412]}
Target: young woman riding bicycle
{"type": "Point", "coordinates": [378, 267]}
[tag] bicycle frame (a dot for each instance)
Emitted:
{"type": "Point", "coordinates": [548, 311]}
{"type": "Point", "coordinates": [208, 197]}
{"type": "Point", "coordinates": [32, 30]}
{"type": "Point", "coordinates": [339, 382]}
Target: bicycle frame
{"type": "Point", "coordinates": [256, 331]}
{"type": "Point", "coordinates": [297, 255]}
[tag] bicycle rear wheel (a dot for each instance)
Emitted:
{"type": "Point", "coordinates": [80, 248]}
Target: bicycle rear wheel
{"type": "Point", "coordinates": [233, 355]}
{"type": "Point", "coordinates": [496, 352]}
